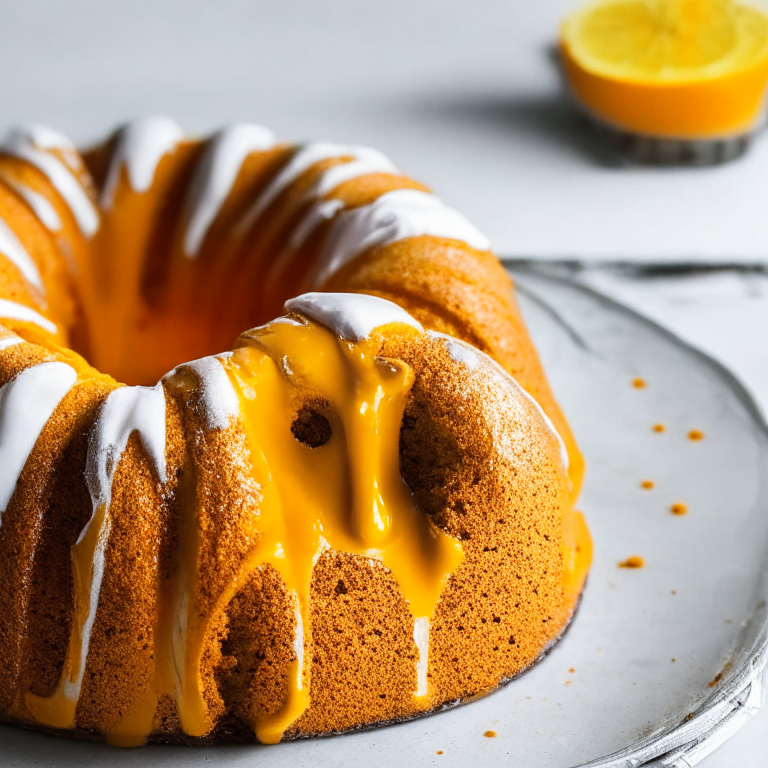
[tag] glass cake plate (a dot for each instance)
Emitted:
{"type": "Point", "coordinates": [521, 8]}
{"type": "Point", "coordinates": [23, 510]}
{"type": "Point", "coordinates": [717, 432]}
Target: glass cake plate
{"type": "Point", "coordinates": [662, 663]}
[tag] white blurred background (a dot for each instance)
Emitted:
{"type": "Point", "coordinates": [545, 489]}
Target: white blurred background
{"type": "Point", "coordinates": [463, 94]}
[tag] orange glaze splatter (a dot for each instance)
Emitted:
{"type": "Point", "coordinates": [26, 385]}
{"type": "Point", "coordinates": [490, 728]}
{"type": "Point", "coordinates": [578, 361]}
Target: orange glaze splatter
{"type": "Point", "coordinates": [635, 561]}
{"type": "Point", "coordinates": [647, 485]}
{"type": "Point", "coordinates": [679, 508]}
{"type": "Point", "coordinates": [639, 383]}
{"type": "Point", "coordinates": [354, 498]}
{"type": "Point", "coordinates": [695, 434]}
{"type": "Point", "coordinates": [490, 734]}
{"type": "Point", "coordinates": [659, 428]}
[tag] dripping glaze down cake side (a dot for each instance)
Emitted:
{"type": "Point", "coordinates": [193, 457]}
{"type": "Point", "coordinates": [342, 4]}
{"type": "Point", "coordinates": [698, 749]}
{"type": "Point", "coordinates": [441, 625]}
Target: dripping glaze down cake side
{"type": "Point", "coordinates": [359, 513]}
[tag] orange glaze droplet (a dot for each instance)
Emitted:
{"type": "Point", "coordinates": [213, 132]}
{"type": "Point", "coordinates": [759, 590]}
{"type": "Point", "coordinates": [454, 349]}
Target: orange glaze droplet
{"type": "Point", "coordinates": [490, 734]}
{"type": "Point", "coordinates": [695, 434]}
{"type": "Point", "coordinates": [679, 508]}
{"type": "Point", "coordinates": [639, 383]}
{"type": "Point", "coordinates": [352, 497]}
{"type": "Point", "coordinates": [58, 709]}
{"type": "Point", "coordinates": [659, 428]}
{"type": "Point", "coordinates": [647, 485]}
{"type": "Point", "coordinates": [577, 551]}
{"type": "Point", "coordinates": [635, 561]}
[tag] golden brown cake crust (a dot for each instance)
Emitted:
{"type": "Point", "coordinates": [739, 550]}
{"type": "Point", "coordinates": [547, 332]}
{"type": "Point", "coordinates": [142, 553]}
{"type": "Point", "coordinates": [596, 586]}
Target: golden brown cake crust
{"type": "Point", "coordinates": [188, 637]}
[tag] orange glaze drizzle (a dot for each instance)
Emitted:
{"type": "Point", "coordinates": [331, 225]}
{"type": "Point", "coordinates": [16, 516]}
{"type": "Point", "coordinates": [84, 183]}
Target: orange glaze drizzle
{"type": "Point", "coordinates": [58, 709]}
{"type": "Point", "coordinates": [350, 497]}
{"type": "Point", "coordinates": [577, 551]}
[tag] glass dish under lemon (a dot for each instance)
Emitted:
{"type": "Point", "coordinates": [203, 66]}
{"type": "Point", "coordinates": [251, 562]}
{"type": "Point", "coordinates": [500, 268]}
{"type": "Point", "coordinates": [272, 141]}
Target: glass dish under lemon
{"type": "Point", "coordinates": [683, 78]}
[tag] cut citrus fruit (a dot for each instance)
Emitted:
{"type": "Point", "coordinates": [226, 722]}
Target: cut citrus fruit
{"type": "Point", "coordinates": [688, 69]}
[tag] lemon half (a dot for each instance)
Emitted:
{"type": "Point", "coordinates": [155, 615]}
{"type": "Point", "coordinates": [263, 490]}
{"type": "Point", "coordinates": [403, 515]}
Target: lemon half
{"type": "Point", "coordinates": [669, 68]}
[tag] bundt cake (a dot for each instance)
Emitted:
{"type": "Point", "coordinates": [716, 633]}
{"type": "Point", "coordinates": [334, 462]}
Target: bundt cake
{"type": "Point", "coordinates": [361, 513]}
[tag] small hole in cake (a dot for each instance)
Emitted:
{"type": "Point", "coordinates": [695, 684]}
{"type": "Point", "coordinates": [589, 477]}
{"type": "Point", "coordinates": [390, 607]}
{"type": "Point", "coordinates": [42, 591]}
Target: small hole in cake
{"type": "Point", "coordinates": [429, 458]}
{"type": "Point", "coordinates": [311, 428]}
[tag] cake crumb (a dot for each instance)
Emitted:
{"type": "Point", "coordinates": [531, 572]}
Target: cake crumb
{"type": "Point", "coordinates": [639, 383]}
{"type": "Point", "coordinates": [673, 592]}
{"type": "Point", "coordinates": [679, 508]}
{"type": "Point", "coordinates": [490, 734]}
{"type": "Point", "coordinates": [719, 676]}
{"type": "Point", "coordinates": [635, 561]}
{"type": "Point", "coordinates": [659, 428]}
{"type": "Point", "coordinates": [647, 485]}
{"type": "Point", "coordinates": [567, 682]}
{"type": "Point", "coordinates": [695, 434]}
{"type": "Point", "coordinates": [673, 661]}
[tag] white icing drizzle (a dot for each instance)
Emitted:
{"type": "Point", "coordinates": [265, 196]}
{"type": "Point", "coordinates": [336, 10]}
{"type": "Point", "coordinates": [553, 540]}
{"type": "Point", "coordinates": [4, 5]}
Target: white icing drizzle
{"type": "Point", "coordinates": [463, 352]}
{"type": "Point", "coordinates": [9, 341]}
{"type": "Point", "coordinates": [39, 204]}
{"type": "Point", "coordinates": [392, 217]}
{"type": "Point", "coordinates": [421, 638]}
{"type": "Point", "coordinates": [215, 176]}
{"type": "Point", "coordinates": [563, 450]}
{"type": "Point", "coordinates": [11, 310]}
{"type": "Point", "coordinates": [219, 399]}
{"type": "Point", "coordinates": [352, 316]}
{"type": "Point", "coordinates": [365, 161]}
{"type": "Point", "coordinates": [317, 214]}
{"type": "Point", "coordinates": [298, 642]}
{"type": "Point", "coordinates": [13, 250]}
{"type": "Point", "coordinates": [302, 161]}
{"type": "Point", "coordinates": [27, 402]}
{"type": "Point", "coordinates": [47, 138]}
{"type": "Point", "coordinates": [125, 411]}
{"type": "Point", "coordinates": [32, 145]}
{"type": "Point", "coordinates": [140, 147]}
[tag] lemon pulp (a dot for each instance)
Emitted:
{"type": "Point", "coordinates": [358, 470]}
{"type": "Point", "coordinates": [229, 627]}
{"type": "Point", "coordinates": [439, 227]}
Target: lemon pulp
{"type": "Point", "coordinates": [677, 68]}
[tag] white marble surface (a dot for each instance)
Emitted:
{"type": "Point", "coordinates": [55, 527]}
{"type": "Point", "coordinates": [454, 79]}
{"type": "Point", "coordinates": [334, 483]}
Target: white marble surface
{"type": "Point", "coordinates": [461, 93]}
